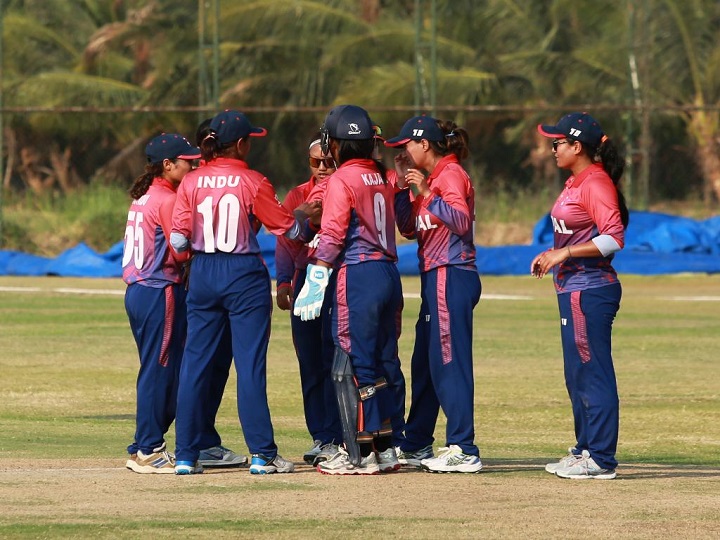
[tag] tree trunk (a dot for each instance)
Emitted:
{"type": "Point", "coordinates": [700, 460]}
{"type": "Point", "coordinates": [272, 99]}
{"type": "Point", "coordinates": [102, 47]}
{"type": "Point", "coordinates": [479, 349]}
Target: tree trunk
{"type": "Point", "coordinates": [703, 127]}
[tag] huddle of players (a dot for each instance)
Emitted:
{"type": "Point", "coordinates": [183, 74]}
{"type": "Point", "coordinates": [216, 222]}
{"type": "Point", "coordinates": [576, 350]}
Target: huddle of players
{"type": "Point", "coordinates": [337, 271]}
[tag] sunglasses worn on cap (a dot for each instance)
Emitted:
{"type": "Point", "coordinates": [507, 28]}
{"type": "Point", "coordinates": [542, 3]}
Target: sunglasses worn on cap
{"type": "Point", "coordinates": [315, 162]}
{"type": "Point", "coordinates": [557, 143]}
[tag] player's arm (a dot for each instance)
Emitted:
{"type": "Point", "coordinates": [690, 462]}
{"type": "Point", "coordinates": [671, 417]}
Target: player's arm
{"type": "Point", "coordinates": [181, 222]}
{"type": "Point", "coordinates": [601, 201]}
{"type": "Point", "coordinates": [165, 213]}
{"type": "Point", "coordinates": [270, 211]}
{"type": "Point", "coordinates": [448, 203]}
{"type": "Point", "coordinates": [337, 208]}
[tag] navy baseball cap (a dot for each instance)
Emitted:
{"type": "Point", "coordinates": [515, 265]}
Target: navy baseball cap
{"type": "Point", "coordinates": [232, 125]}
{"type": "Point", "coordinates": [348, 122]}
{"type": "Point", "coordinates": [417, 129]}
{"type": "Point", "coordinates": [170, 146]}
{"type": "Point", "coordinates": [579, 126]}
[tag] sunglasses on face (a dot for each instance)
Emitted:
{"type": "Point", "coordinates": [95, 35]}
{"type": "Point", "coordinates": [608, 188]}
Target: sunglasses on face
{"type": "Point", "coordinates": [557, 143]}
{"type": "Point", "coordinates": [315, 162]}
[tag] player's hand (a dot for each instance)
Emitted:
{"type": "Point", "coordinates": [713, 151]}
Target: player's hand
{"type": "Point", "coordinates": [311, 211]}
{"type": "Point", "coordinates": [308, 303]}
{"type": "Point", "coordinates": [415, 177]}
{"type": "Point", "coordinates": [284, 297]}
{"type": "Point", "coordinates": [543, 263]}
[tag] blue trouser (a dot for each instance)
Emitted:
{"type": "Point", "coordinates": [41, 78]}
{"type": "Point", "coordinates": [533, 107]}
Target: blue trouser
{"type": "Point", "coordinates": [314, 349]}
{"type": "Point", "coordinates": [442, 360]}
{"type": "Point", "coordinates": [367, 299]}
{"type": "Point", "coordinates": [221, 371]}
{"type": "Point", "coordinates": [586, 319]}
{"type": "Point", "coordinates": [235, 290]}
{"type": "Point", "coordinates": [160, 347]}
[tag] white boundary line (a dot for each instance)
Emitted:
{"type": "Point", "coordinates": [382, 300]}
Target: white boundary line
{"type": "Point", "coordinates": [119, 292]}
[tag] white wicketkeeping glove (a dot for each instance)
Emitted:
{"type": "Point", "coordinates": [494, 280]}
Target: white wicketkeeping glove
{"type": "Point", "coordinates": [308, 303]}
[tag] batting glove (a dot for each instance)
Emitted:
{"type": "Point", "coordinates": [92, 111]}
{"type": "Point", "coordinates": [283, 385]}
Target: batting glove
{"type": "Point", "coordinates": [308, 303]}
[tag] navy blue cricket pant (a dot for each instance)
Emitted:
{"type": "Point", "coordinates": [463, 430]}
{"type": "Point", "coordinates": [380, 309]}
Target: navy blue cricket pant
{"type": "Point", "coordinates": [367, 299]}
{"type": "Point", "coordinates": [442, 360]}
{"type": "Point", "coordinates": [232, 289]}
{"type": "Point", "coordinates": [157, 320]}
{"type": "Point", "coordinates": [586, 319]}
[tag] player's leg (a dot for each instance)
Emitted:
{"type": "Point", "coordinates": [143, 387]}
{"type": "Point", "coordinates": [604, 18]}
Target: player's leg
{"type": "Point", "coordinates": [424, 404]}
{"type": "Point", "coordinates": [205, 323]}
{"type": "Point", "coordinates": [597, 382]}
{"type": "Point", "coordinates": [249, 306]}
{"type": "Point", "coordinates": [451, 302]}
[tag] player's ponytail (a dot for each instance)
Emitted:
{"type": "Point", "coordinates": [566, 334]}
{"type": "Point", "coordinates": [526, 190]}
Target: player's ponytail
{"type": "Point", "coordinates": [210, 146]}
{"type": "Point", "coordinates": [455, 142]}
{"type": "Point", "coordinates": [614, 165]}
{"type": "Point", "coordinates": [143, 182]}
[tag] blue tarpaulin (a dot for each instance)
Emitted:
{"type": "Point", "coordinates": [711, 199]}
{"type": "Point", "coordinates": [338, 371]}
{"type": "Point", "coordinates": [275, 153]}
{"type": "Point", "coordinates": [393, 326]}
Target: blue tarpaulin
{"type": "Point", "coordinates": [654, 244]}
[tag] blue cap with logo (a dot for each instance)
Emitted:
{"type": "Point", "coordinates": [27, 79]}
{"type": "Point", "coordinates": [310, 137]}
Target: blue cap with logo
{"type": "Point", "coordinates": [170, 146]}
{"type": "Point", "coordinates": [348, 122]}
{"type": "Point", "coordinates": [417, 129]}
{"type": "Point", "coordinates": [578, 126]}
{"type": "Point", "coordinates": [232, 125]}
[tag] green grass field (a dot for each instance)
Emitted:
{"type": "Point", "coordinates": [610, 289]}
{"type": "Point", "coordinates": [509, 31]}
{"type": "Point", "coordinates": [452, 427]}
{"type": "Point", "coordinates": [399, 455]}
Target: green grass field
{"type": "Point", "coordinates": [67, 412]}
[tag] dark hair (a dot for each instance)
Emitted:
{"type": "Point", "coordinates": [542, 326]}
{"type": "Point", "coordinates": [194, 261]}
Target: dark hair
{"type": "Point", "coordinates": [359, 149]}
{"type": "Point", "coordinates": [211, 148]}
{"type": "Point", "coordinates": [143, 182]}
{"type": "Point", "coordinates": [203, 130]}
{"type": "Point", "coordinates": [456, 140]}
{"type": "Point", "coordinates": [614, 164]}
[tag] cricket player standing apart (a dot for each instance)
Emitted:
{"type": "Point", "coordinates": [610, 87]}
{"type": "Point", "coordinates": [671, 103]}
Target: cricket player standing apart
{"type": "Point", "coordinates": [589, 218]}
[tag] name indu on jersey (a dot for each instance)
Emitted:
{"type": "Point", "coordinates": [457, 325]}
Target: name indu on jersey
{"type": "Point", "coordinates": [218, 181]}
{"type": "Point", "coordinates": [372, 179]}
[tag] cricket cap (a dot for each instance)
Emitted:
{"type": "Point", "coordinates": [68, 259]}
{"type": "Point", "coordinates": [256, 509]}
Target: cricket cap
{"type": "Point", "coordinates": [170, 146]}
{"type": "Point", "coordinates": [232, 125]}
{"type": "Point", "coordinates": [578, 126]}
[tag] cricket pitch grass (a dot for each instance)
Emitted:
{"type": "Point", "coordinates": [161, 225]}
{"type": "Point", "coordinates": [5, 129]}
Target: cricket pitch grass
{"type": "Point", "coordinates": [69, 364]}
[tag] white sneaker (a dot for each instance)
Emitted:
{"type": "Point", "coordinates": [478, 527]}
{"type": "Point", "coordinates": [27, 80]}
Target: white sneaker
{"type": "Point", "coordinates": [388, 460]}
{"type": "Point", "coordinates": [413, 459]}
{"type": "Point", "coordinates": [340, 464]}
{"type": "Point", "coordinates": [261, 464]}
{"type": "Point", "coordinates": [452, 459]}
{"type": "Point", "coordinates": [565, 462]}
{"type": "Point", "coordinates": [220, 457]}
{"type": "Point", "coordinates": [585, 468]}
{"type": "Point", "coordinates": [310, 455]}
{"type": "Point", "coordinates": [327, 451]}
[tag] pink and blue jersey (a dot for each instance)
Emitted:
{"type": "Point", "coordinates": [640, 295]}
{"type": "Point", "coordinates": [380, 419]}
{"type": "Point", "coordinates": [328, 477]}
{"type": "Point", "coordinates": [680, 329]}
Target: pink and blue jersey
{"type": "Point", "coordinates": [147, 255]}
{"type": "Point", "coordinates": [586, 208]}
{"type": "Point", "coordinates": [444, 221]}
{"type": "Point", "coordinates": [292, 255]}
{"type": "Point", "coordinates": [358, 222]}
{"type": "Point", "coordinates": [221, 205]}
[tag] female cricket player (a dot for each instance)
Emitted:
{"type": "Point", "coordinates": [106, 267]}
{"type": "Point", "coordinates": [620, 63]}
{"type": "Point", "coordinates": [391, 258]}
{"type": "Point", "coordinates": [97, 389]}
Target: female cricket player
{"type": "Point", "coordinates": [441, 217]}
{"type": "Point", "coordinates": [589, 218]}
{"type": "Point", "coordinates": [357, 240]}
{"type": "Point", "coordinates": [218, 211]}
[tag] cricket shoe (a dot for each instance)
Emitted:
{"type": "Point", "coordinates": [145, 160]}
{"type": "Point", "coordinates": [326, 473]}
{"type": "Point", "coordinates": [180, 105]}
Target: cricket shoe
{"type": "Point", "coordinates": [260, 464]}
{"type": "Point", "coordinates": [452, 459]}
{"type": "Point", "coordinates": [340, 464]}
{"type": "Point", "coordinates": [327, 451]}
{"type": "Point", "coordinates": [565, 462]}
{"type": "Point", "coordinates": [585, 468]}
{"type": "Point", "coordinates": [221, 457]}
{"type": "Point", "coordinates": [160, 461]}
{"type": "Point", "coordinates": [388, 460]}
{"type": "Point", "coordinates": [183, 468]}
{"type": "Point", "coordinates": [310, 455]}
{"type": "Point", "coordinates": [413, 459]}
